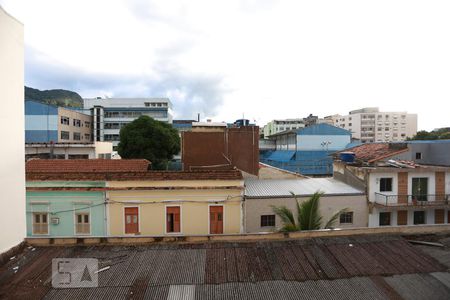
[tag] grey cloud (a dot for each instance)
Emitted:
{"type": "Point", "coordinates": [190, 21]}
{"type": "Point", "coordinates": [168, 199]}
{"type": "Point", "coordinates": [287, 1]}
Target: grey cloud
{"type": "Point", "coordinates": [190, 92]}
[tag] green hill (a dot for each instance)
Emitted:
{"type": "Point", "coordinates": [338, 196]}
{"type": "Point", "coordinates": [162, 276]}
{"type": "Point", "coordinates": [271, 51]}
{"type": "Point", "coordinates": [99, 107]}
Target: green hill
{"type": "Point", "coordinates": [55, 97]}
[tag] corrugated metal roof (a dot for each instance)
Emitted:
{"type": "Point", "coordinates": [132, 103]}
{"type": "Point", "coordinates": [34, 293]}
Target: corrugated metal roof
{"type": "Point", "coordinates": [321, 268]}
{"type": "Point", "coordinates": [302, 187]}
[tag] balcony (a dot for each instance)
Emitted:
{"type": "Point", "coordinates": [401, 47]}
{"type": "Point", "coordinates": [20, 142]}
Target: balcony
{"type": "Point", "coordinates": [413, 201]}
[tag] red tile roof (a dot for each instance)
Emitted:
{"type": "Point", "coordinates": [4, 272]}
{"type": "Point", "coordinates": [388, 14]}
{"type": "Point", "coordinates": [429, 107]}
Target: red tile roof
{"type": "Point", "coordinates": [86, 165]}
{"type": "Point", "coordinates": [372, 152]}
{"type": "Point", "coordinates": [138, 176]}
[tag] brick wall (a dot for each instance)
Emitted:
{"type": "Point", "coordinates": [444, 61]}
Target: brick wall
{"type": "Point", "coordinates": [234, 147]}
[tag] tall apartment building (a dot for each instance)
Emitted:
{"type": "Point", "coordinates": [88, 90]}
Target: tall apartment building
{"type": "Point", "coordinates": [12, 165]}
{"type": "Point", "coordinates": [370, 125]}
{"type": "Point", "coordinates": [111, 114]}
{"type": "Point", "coordinates": [46, 123]}
{"type": "Point", "coordinates": [276, 126]}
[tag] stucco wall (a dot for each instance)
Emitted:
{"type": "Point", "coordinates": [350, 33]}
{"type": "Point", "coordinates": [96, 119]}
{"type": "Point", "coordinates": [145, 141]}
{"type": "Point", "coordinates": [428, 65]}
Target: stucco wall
{"type": "Point", "coordinates": [254, 208]}
{"type": "Point", "coordinates": [12, 153]}
{"type": "Point", "coordinates": [194, 205]}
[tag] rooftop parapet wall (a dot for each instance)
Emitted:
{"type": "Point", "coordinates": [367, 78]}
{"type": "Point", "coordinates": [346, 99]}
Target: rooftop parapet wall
{"type": "Point", "coordinates": [126, 240]}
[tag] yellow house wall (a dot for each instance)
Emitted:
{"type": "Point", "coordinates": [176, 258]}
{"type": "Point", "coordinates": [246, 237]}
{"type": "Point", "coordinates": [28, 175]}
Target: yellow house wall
{"type": "Point", "coordinates": [194, 205]}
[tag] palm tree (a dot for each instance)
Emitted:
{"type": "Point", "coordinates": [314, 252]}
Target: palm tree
{"type": "Point", "coordinates": [308, 216]}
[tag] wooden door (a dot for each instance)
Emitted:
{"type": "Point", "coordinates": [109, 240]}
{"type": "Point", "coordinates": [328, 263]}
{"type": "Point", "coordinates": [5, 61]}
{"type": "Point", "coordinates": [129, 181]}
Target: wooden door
{"type": "Point", "coordinates": [173, 219]}
{"type": "Point", "coordinates": [131, 220]}
{"type": "Point", "coordinates": [216, 219]}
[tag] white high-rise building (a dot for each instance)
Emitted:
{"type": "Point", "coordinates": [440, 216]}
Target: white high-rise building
{"type": "Point", "coordinates": [12, 165]}
{"type": "Point", "coordinates": [370, 125]}
{"type": "Point", "coordinates": [111, 114]}
{"type": "Point", "coordinates": [276, 126]}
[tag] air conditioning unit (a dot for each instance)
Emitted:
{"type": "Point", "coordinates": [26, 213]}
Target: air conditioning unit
{"type": "Point", "coordinates": [55, 221]}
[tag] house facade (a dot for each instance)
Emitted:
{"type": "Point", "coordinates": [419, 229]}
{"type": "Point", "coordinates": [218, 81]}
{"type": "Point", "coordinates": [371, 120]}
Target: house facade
{"type": "Point", "coordinates": [262, 195]}
{"type": "Point", "coordinates": [176, 203]}
{"type": "Point", "coordinates": [67, 198]}
{"type": "Point", "coordinates": [409, 196]}
{"type": "Point", "coordinates": [399, 192]}
{"type": "Point", "coordinates": [57, 208]}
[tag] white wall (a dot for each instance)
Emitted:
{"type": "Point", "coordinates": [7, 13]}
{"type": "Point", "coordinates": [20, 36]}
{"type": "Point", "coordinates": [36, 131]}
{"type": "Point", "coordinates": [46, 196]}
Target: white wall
{"type": "Point", "coordinates": [12, 152]}
{"type": "Point", "coordinates": [313, 142]}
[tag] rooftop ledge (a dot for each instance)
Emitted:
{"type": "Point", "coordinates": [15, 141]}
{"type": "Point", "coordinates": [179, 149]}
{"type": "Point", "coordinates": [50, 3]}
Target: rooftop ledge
{"type": "Point", "coordinates": [250, 237]}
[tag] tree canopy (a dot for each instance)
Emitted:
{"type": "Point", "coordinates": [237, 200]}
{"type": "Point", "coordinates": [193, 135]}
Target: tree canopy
{"type": "Point", "coordinates": [147, 138]}
{"type": "Point", "coordinates": [308, 216]}
{"type": "Point", "coordinates": [437, 134]}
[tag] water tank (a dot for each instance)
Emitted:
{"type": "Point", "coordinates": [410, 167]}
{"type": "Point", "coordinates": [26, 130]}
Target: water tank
{"type": "Point", "coordinates": [347, 157]}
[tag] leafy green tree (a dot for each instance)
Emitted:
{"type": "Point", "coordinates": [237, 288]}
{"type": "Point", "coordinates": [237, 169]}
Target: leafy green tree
{"type": "Point", "coordinates": [441, 133]}
{"type": "Point", "coordinates": [147, 138]}
{"type": "Point", "coordinates": [307, 217]}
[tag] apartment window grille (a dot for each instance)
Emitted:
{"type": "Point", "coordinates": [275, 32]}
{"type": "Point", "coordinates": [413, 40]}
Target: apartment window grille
{"type": "Point", "coordinates": [65, 135]}
{"type": "Point", "coordinates": [65, 120]}
{"type": "Point", "coordinates": [385, 184]}
{"type": "Point", "coordinates": [346, 218]}
{"type": "Point", "coordinates": [267, 220]}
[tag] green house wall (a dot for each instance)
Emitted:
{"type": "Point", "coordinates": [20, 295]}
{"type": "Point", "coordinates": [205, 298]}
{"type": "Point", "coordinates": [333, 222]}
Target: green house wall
{"type": "Point", "coordinates": [64, 205]}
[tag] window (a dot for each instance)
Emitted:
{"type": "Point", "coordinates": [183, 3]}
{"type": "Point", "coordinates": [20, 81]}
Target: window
{"type": "Point", "coordinates": [346, 218]}
{"type": "Point", "coordinates": [418, 155]}
{"type": "Point", "coordinates": [87, 124]}
{"type": "Point", "coordinates": [76, 136]}
{"type": "Point", "coordinates": [65, 120]}
{"type": "Point", "coordinates": [385, 184]}
{"type": "Point", "coordinates": [349, 124]}
{"type": "Point", "coordinates": [267, 220]}
{"type": "Point", "coordinates": [65, 135]}
{"type": "Point", "coordinates": [385, 218]}
{"type": "Point", "coordinates": [76, 123]}
{"type": "Point", "coordinates": [82, 225]}
{"type": "Point", "coordinates": [40, 223]}
{"type": "Point", "coordinates": [419, 217]}
{"type": "Point", "coordinates": [173, 219]}
{"type": "Point", "coordinates": [87, 136]}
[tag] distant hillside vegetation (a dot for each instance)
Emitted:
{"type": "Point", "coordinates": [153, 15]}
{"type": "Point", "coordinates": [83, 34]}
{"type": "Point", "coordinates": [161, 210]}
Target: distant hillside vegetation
{"type": "Point", "coordinates": [437, 134]}
{"type": "Point", "coordinates": [54, 97]}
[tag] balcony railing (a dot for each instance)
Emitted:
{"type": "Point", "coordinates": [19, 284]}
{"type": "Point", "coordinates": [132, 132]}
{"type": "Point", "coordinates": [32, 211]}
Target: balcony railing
{"type": "Point", "coordinates": [412, 200]}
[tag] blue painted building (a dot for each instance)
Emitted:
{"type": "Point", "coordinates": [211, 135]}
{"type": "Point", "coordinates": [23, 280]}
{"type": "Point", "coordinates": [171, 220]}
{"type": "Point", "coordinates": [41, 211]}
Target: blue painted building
{"type": "Point", "coordinates": [41, 122]}
{"type": "Point", "coordinates": [46, 123]}
{"type": "Point", "coordinates": [307, 150]}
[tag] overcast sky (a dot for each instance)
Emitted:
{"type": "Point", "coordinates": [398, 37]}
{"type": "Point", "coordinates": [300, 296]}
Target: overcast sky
{"type": "Point", "coordinates": [261, 58]}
